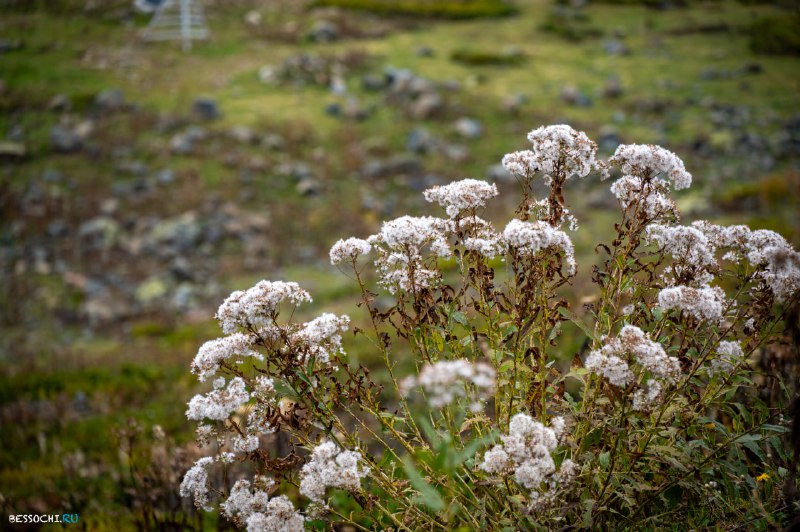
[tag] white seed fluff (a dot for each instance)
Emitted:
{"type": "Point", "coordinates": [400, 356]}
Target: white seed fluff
{"type": "Point", "coordinates": [349, 250]}
{"type": "Point", "coordinates": [648, 161]}
{"type": "Point", "coordinates": [461, 196]}
{"type": "Point", "coordinates": [330, 467]}
{"type": "Point", "coordinates": [532, 237]}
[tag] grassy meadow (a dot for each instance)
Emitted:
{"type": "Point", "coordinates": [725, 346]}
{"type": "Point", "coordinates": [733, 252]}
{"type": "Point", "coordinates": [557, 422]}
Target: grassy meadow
{"type": "Point", "coordinates": [115, 253]}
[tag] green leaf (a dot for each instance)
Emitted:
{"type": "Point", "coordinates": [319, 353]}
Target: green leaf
{"type": "Point", "coordinates": [460, 317]}
{"type": "Point", "coordinates": [564, 311]}
{"type": "Point", "coordinates": [775, 428]}
{"type": "Point", "coordinates": [428, 495]}
{"type": "Point", "coordinates": [604, 459]}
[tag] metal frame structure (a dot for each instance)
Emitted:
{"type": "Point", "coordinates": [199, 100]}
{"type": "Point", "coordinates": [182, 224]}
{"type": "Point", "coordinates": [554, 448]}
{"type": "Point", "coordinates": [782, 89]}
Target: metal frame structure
{"type": "Point", "coordinates": [178, 20]}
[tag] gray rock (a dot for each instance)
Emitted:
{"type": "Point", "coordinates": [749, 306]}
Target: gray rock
{"type": "Point", "coordinates": [243, 135]}
{"type": "Point", "coordinates": [134, 168]}
{"type": "Point", "coordinates": [52, 176]}
{"type": "Point", "coordinates": [514, 102]}
{"type": "Point", "coordinates": [427, 105]}
{"type": "Point", "coordinates": [57, 229]}
{"type": "Point", "coordinates": [571, 95]}
{"type": "Point", "coordinates": [165, 176]}
{"type": "Point", "coordinates": [468, 128]}
{"type": "Point", "coordinates": [456, 152]}
{"type": "Point", "coordinates": [10, 46]}
{"type": "Point", "coordinates": [397, 165]}
{"type": "Point", "coordinates": [333, 109]}
{"type": "Point", "coordinates": [109, 100]}
{"type": "Point", "coordinates": [152, 289]}
{"type": "Point", "coordinates": [323, 31]}
{"type": "Point", "coordinates": [273, 141]}
{"type": "Point", "coordinates": [615, 47]}
{"type": "Point", "coordinates": [184, 142]}
{"type": "Point", "coordinates": [65, 140]}
{"type": "Point", "coordinates": [374, 83]}
{"type": "Point", "coordinates": [421, 140]}
{"type": "Point", "coordinates": [612, 88]}
{"type": "Point", "coordinates": [101, 232]}
{"type": "Point", "coordinates": [425, 51]}
{"type": "Point", "coordinates": [59, 103]}
{"type": "Point", "coordinates": [308, 187]}
{"type": "Point", "coordinates": [106, 308]}
{"type": "Point", "coordinates": [182, 232]}
{"type": "Point", "coordinates": [206, 109]}
{"type": "Point", "coordinates": [181, 269]}
{"type": "Point", "coordinates": [354, 111]}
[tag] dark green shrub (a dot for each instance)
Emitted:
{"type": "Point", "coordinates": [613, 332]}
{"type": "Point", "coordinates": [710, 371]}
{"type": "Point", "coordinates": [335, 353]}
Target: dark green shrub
{"type": "Point", "coordinates": [776, 35]}
{"type": "Point", "coordinates": [452, 9]}
{"type": "Point", "coordinates": [570, 24]}
{"type": "Point", "coordinates": [475, 57]}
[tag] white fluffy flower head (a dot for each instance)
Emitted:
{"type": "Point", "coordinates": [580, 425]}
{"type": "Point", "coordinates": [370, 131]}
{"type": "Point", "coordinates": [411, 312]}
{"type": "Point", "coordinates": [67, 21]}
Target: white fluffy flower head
{"type": "Point", "coordinates": [461, 196]}
{"type": "Point", "coordinates": [648, 161]}
{"type": "Point", "coordinates": [331, 467]}
{"type": "Point", "coordinates": [257, 306]}
{"type": "Point", "coordinates": [349, 250]}
{"type": "Point", "coordinates": [532, 237]}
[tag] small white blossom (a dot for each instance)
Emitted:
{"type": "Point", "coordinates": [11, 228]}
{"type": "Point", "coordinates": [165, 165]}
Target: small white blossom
{"type": "Point", "coordinates": [244, 502]}
{"type": "Point", "coordinates": [648, 161]}
{"type": "Point", "coordinates": [245, 444]}
{"type": "Point", "coordinates": [195, 483]}
{"type": "Point", "coordinates": [521, 164]}
{"type": "Point", "coordinates": [532, 237]}
{"type": "Point", "coordinates": [257, 306]}
{"type": "Point", "coordinates": [561, 148]}
{"type": "Point", "coordinates": [321, 338]}
{"type": "Point", "coordinates": [644, 398]}
{"type": "Point", "coordinates": [212, 353]}
{"type": "Point", "coordinates": [705, 303]}
{"type": "Point", "coordinates": [730, 355]}
{"type": "Point", "coordinates": [609, 361]}
{"type": "Point", "coordinates": [651, 196]}
{"type": "Point", "coordinates": [525, 452]}
{"type": "Point", "coordinates": [648, 353]}
{"type": "Point", "coordinates": [609, 366]}
{"type": "Point", "coordinates": [778, 263]}
{"type": "Point", "coordinates": [400, 246]}
{"type": "Point", "coordinates": [349, 250]}
{"type": "Point", "coordinates": [694, 254]}
{"type": "Point", "coordinates": [460, 196]}
{"type": "Point", "coordinates": [218, 404]}
{"type": "Point", "coordinates": [496, 460]}
{"type": "Point", "coordinates": [330, 467]}
{"type": "Point", "coordinates": [278, 516]}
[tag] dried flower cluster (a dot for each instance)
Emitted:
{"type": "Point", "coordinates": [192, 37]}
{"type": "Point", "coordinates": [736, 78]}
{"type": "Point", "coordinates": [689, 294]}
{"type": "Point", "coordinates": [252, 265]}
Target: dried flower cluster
{"type": "Point", "coordinates": [648, 161]}
{"type": "Point", "coordinates": [461, 196]}
{"type": "Point", "coordinates": [526, 452]}
{"type": "Point", "coordinates": [654, 412]}
{"type": "Point", "coordinates": [530, 238]}
{"type": "Point", "coordinates": [330, 467]}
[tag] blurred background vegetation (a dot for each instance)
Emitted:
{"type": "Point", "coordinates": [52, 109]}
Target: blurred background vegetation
{"type": "Point", "coordinates": [140, 184]}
